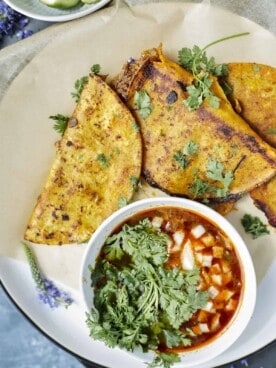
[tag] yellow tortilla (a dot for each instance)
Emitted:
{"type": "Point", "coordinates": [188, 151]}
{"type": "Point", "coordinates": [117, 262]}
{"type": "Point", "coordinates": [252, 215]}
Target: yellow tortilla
{"type": "Point", "coordinates": [265, 199]}
{"type": "Point", "coordinates": [97, 162]}
{"type": "Point", "coordinates": [221, 135]}
{"type": "Point", "coordinates": [254, 96]}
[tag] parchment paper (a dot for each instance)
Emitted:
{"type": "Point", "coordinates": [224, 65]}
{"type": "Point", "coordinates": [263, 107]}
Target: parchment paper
{"type": "Point", "coordinates": [43, 88]}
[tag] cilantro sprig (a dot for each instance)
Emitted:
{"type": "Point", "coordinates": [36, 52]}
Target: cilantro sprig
{"type": "Point", "coordinates": [221, 180]}
{"type": "Point", "coordinates": [196, 61]}
{"type": "Point", "coordinates": [79, 86]}
{"type": "Point", "coordinates": [104, 160]}
{"type": "Point", "coordinates": [143, 103]}
{"type": "Point", "coordinates": [60, 124]}
{"type": "Point", "coordinates": [183, 157]}
{"type": "Point", "coordinates": [254, 226]}
{"type": "Point", "coordinates": [139, 302]}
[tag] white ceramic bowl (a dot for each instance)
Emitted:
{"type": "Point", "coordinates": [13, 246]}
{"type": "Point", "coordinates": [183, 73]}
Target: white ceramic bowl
{"type": "Point", "coordinates": [246, 306]}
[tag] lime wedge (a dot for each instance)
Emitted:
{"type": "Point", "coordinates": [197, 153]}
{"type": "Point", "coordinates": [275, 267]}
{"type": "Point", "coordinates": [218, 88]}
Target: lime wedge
{"type": "Point", "coordinates": [61, 4]}
{"type": "Point", "coordinates": [90, 1]}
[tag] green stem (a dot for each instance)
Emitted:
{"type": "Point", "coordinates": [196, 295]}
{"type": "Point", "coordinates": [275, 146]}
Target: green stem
{"type": "Point", "coordinates": [225, 39]}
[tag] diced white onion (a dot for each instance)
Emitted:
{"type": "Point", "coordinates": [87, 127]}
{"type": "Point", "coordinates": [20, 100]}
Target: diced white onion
{"type": "Point", "coordinates": [227, 277]}
{"type": "Point", "coordinates": [197, 245]}
{"type": "Point", "coordinates": [170, 245]}
{"type": "Point", "coordinates": [225, 266]}
{"type": "Point", "coordinates": [203, 327]}
{"type": "Point", "coordinates": [213, 292]}
{"type": "Point", "coordinates": [168, 226]}
{"type": "Point", "coordinates": [198, 231]}
{"type": "Point", "coordinates": [157, 221]}
{"type": "Point", "coordinates": [215, 322]}
{"type": "Point", "coordinates": [217, 279]}
{"type": "Point", "coordinates": [178, 237]}
{"type": "Point", "coordinates": [226, 294]}
{"type": "Point", "coordinates": [209, 306]}
{"type": "Point", "coordinates": [217, 252]}
{"type": "Point", "coordinates": [208, 240]}
{"type": "Point", "coordinates": [207, 260]}
{"type": "Point", "coordinates": [231, 305]}
{"type": "Point", "coordinates": [199, 257]}
{"type": "Point", "coordinates": [215, 269]}
{"type": "Point", "coordinates": [187, 256]}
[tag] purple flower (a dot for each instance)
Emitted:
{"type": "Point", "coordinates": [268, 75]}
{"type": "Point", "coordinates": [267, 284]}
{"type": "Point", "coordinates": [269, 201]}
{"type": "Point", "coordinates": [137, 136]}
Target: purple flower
{"type": "Point", "coordinates": [51, 295]}
{"type": "Point", "coordinates": [12, 22]}
{"type": "Point", "coordinates": [48, 293]}
{"type": "Point", "coordinates": [21, 34]}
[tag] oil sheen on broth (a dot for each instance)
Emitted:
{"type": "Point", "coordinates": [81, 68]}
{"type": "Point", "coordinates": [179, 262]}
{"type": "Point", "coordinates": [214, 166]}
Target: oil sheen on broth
{"type": "Point", "coordinates": [195, 241]}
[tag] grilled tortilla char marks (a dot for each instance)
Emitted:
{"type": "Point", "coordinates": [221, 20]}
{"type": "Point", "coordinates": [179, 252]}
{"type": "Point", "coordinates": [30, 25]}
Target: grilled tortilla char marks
{"type": "Point", "coordinates": [265, 199]}
{"type": "Point", "coordinates": [254, 96]}
{"type": "Point", "coordinates": [94, 161]}
{"type": "Point", "coordinates": [170, 126]}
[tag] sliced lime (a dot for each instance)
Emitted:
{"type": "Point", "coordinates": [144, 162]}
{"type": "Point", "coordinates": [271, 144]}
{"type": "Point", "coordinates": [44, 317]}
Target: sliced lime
{"type": "Point", "coordinates": [90, 1]}
{"type": "Point", "coordinates": [61, 4]}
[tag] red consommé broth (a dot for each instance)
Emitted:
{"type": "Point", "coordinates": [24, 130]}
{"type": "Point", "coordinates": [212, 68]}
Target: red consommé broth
{"type": "Point", "coordinates": [214, 254]}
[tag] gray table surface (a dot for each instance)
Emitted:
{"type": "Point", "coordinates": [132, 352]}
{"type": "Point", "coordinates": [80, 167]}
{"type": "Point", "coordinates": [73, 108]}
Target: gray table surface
{"type": "Point", "coordinates": [22, 345]}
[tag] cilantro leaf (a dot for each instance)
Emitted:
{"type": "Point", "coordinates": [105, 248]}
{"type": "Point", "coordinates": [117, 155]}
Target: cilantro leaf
{"type": "Point", "coordinates": [104, 160]}
{"type": "Point", "coordinates": [196, 61]}
{"type": "Point", "coordinates": [122, 202]}
{"type": "Point", "coordinates": [60, 124]}
{"type": "Point", "coordinates": [199, 187]}
{"type": "Point", "coordinates": [181, 159]}
{"type": "Point", "coordinates": [79, 85]}
{"type": "Point", "coordinates": [135, 182]}
{"type": "Point", "coordinates": [215, 172]}
{"type": "Point", "coordinates": [189, 149]}
{"type": "Point", "coordinates": [254, 226]}
{"type": "Point", "coordinates": [136, 127]}
{"type": "Point", "coordinates": [271, 131]}
{"type": "Point", "coordinates": [165, 360]}
{"type": "Point", "coordinates": [142, 101]}
{"type": "Point", "coordinates": [96, 68]}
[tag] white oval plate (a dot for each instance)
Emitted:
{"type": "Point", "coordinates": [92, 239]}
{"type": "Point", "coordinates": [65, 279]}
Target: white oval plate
{"type": "Point", "coordinates": [27, 148]}
{"type": "Point", "coordinates": [35, 9]}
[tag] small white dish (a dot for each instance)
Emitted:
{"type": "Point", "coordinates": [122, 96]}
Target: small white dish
{"type": "Point", "coordinates": [35, 9]}
{"type": "Point", "coordinates": [243, 314]}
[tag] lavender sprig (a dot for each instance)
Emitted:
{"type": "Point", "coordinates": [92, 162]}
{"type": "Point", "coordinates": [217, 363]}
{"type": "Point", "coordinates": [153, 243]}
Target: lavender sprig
{"type": "Point", "coordinates": [48, 293]}
{"type": "Point", "coordinates": [12, 22]}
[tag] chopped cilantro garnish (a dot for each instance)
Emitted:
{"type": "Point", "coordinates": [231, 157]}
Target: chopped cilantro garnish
{"type": "Point", "coordinates": [122, 202]}
{"type": "Point", "coordinates": [79, 85]}
{"type": "Point", "coordinates": [135, 182]}
{"type": "Point", "coordinates": [142, 101]}
{"type": "Point", "coordinates": [190, 148]}
{"type": "Point", "coordinates": [254, 226]}
{"type": "Point", "coordinates": [165, 360]}
{"type": "Point", "coordinates": [182, 158]}
{"type": "Point", "coordinates": [215, 172]}
{"type": "Point", "coordinates": [136, 127]}
{"type": "Point", "coordinates": [196, 61]}
{"type": "Point", "coordinates": [96, 68]}
{"type": "Point", "coordinates": [141, 303]}
{"type": "Point", "coordinates": [103, 160]}
{"type": "Point", "coordinates": [60, 124]}
{"type": "Point", "coordinates": [256, 68]}
{"type": "Point", "coordinates": [271, 131]}
{"type": "Point", "coordinates": [199, 187]}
